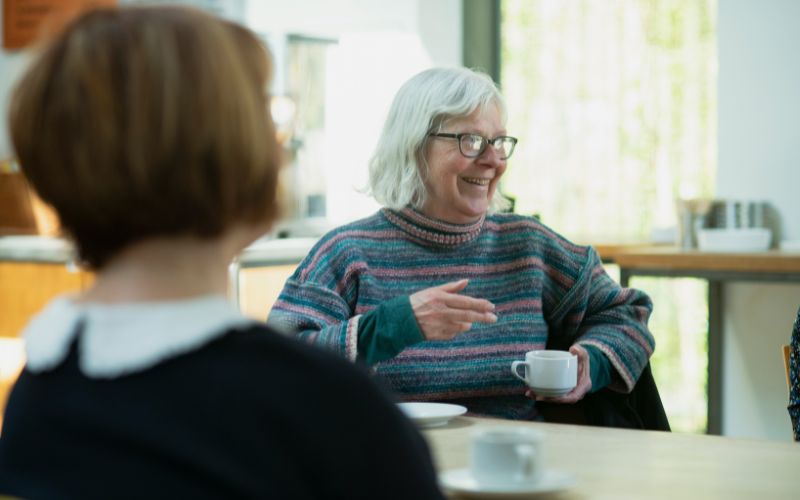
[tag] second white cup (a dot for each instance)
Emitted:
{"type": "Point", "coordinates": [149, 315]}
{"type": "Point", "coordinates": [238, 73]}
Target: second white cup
{"type": "Point", "coordinates": [506, 456]}
{"type": "Point", "coordinates": [548, 372]}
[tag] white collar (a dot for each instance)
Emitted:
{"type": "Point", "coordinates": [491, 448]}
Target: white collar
{"type": "Point", "coordinates": [124, 338]}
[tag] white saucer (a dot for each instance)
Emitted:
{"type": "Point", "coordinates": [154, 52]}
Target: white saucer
{"type": "Point", "coordinates": [461, 481]}
{"type": "Point", "coordinates": [550, 393]}
{"type": "Point", "coordinates": [431, 414]}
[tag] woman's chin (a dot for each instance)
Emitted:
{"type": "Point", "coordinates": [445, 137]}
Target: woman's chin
{"type": "Point", "coordinates": [473, 212]}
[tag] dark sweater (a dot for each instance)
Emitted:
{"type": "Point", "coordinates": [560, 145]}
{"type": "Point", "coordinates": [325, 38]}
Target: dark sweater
{"type": "Point", "coordinates": [251, 414]}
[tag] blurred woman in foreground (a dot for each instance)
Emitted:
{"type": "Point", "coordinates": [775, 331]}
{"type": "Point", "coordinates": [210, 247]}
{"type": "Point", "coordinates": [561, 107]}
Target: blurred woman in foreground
{"type": "Point", "coordinates": [148, 130]}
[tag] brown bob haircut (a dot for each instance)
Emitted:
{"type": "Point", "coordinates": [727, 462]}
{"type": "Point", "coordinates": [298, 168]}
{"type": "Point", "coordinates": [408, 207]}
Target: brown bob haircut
{"type": "Point", "coordinates": [146, 122]}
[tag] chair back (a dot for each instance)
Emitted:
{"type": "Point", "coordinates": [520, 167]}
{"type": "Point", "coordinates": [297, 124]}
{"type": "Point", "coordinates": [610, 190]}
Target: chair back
{"type": "Point", "coordinates": [786, 351]}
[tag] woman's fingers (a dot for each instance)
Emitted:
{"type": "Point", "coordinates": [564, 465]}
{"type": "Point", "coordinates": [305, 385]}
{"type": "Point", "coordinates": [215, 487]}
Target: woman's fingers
{"type": "Point", "coordinates": [469, 303]}
{"type": "Point", "coordinates": [468, 316]}
{"type": "Point", "coordinates": [453, 286]}
{"type": "Point", "coordinates": [443, 313]}
{"type": "Point", "coordinates": [462, 327]}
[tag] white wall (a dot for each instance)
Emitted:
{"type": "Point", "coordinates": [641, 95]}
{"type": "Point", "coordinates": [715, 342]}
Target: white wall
{"type": "Point", "coordinates": [437, 21]}
{"type": "Point", "coordinates": [759, 158]}
{"type": "Point", "coordinates": [381, 43]}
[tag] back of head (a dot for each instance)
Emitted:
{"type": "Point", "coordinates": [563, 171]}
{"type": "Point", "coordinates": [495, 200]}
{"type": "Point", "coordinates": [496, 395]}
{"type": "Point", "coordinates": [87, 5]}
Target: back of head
{"type": "Point", "coordinates": [148, 122]}
{"type": "Point", "coordinates": [423, 105]}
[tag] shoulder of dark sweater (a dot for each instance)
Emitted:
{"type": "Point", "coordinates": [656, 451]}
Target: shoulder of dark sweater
{"type": "Point", "coordinates": [260, 348]}
{"type": "Point", "coordinates": [335, 397]}
{"type": "Point", "coordinates": [266, 366]}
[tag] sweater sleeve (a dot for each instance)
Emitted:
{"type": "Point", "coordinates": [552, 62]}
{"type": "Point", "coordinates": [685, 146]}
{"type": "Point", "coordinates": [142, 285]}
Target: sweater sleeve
{"type": "Point", "coordinates": [599, 368]}
{"type": "Point", "coordinates": [322, 316]}
{"type": "Point", "coordinates": [594, 311]}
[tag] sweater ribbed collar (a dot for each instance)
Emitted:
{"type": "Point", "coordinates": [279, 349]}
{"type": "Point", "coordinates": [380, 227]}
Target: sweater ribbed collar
{"type": "Point", "coordinates": [432, 232]}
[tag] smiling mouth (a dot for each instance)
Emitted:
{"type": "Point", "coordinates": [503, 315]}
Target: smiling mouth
{"type": "Point", "coordinates": [476, 181]}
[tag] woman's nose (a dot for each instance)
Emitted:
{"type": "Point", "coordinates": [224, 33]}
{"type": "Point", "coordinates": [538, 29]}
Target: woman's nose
{"type": "Point", "coordinates": [492, 157]}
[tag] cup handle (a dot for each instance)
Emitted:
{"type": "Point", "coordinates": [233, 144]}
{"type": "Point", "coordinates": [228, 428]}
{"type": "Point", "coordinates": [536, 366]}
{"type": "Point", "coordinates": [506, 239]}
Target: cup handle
{"type": "Point", "coordinates": [527, 462]}
{"type": "Point", "coordinates": [514, 370]}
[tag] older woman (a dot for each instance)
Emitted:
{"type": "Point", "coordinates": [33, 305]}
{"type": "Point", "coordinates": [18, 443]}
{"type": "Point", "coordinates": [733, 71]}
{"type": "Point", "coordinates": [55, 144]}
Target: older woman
{"type": "Point", "coordinates": [148, 130]}
{"type": "Point", "coordinates": [438, 292]}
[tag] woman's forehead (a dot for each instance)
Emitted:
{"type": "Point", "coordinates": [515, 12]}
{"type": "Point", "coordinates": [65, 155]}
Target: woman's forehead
{"type": "Point", "coordinates": [483, 116]}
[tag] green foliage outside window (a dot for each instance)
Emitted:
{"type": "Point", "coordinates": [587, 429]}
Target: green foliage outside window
{"type": "Point", "coordinates": [615, 105]}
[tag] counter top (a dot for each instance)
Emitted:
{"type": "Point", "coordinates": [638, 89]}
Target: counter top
{"type": "Point", "coordinates": [41, 249]}
{"type": "Point", "coordinates": [275, 251]}
{"type": "Point", "coordinates": [677, 259]}
{"type": "Point", "coordinates": [48, 250]}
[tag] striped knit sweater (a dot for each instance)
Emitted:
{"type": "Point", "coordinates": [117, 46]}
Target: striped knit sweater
{"type": "Point", "coordinates": [547, 292]}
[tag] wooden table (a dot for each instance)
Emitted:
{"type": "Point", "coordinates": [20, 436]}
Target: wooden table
{"type": "Point", "coordinates": [628, 464]}
{"type": "Point", "coordinates": [717, 268]}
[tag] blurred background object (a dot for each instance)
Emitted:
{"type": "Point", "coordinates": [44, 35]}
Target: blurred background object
{"type": "Point", "coordinates": [692, 216]}
{"type": "Point", "coordinates": [21, 211]}
{"type": "Point", "coordinates": [299, 109]}
{"type": "Point", "coordinates": [726, 225]}
{"type": "Point", "coordinates": [25, 21]}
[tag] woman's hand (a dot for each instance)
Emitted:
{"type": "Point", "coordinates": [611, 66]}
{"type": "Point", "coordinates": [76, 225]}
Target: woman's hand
{"type": "Point", "coordinates": [583, 386]}
{"type": "Point", "coordinates": [442, 313]}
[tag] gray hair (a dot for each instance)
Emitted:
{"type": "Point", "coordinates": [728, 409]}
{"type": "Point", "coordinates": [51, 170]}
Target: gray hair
{"type": "Point", "coordinates": [424, 104]}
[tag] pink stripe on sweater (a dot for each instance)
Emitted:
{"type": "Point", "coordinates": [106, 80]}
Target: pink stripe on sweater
{"type": "Point", "coordinates": [348, 275]}
{"type": "Point", "coordinates": [324, 319]}
{"type": "Point", "coordinates": [344, 235]}
{"type": "Point", "coordinates": [479, 269]}
{"type": "Point", "coordinates": [445, 395]}
{"type": "Point", "coordinates": [531, 225]}
{"type": "Point", "coordinates": [422, 353]}
{"type": "Point", "coordinates": [535, 304]}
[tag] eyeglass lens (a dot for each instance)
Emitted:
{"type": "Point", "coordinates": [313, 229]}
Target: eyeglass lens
{"type": "Point", "coordinates": [473, 145]}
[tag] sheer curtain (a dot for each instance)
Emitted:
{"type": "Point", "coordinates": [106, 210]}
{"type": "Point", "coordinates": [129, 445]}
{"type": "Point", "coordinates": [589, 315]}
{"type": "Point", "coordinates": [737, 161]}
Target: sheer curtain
{"type": "Point", "coordinates": [614, 103]}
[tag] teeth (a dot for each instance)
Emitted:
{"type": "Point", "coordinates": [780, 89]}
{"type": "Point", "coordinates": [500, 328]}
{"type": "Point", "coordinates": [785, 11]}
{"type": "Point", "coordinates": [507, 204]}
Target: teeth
{"type": "Point", "coordinates": [477, 181]}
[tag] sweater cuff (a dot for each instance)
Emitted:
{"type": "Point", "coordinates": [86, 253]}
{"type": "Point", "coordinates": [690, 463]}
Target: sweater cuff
{"type": "Point", "coordinates": [387, 330]}
{"type": "Point", "coordinates": [599, 368]}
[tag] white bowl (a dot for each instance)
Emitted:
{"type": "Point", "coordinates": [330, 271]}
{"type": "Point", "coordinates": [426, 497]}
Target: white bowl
{"type": "Point", "coordinates": [751, 239]}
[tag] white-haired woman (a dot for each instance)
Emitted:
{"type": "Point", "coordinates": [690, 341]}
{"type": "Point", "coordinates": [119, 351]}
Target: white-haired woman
{"type": "Point", "coordinates": [438, 292]}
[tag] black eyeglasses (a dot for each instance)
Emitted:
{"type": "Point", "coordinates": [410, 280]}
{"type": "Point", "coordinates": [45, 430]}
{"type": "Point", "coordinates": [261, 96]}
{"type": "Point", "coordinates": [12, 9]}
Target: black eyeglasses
{"type": "Point", "coordinates": [473, 145]}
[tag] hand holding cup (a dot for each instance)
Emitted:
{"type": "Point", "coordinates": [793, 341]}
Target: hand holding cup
{"type": "Point", "coordinates": [556, 376]}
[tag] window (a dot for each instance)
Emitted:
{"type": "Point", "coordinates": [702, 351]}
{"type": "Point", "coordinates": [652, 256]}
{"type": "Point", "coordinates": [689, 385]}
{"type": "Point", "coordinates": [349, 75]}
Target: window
{"type": "Point", "coordinates": [614, 102]}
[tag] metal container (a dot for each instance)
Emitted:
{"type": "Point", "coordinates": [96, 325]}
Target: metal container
{"type": "Point", "coordinates": [733, 214]}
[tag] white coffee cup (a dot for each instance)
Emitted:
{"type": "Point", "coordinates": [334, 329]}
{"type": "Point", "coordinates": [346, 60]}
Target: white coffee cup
{"type": "Point", "coordinates": [548, 372]}
{"type": "Point", "coordinates": [505, 456]}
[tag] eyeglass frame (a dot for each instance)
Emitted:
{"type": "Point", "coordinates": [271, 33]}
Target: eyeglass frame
{"type": "Point", "coordinates": [486, 142]}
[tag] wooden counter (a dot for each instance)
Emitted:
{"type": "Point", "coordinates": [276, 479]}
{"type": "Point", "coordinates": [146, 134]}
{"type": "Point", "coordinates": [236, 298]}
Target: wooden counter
{"type": "Point", "coordinates": [639, 258]}
{"type": "Point", "coordinates": [718, 268]}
